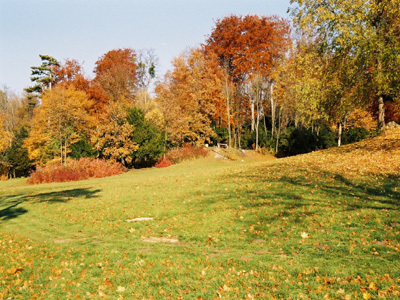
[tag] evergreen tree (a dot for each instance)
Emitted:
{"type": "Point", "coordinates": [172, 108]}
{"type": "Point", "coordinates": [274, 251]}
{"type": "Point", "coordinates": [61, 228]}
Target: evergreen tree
{"type": "Point", "coordinates": [16, 157]}
{"type": "Point", "coordinates": [43, 76]}
{"type": "Point", "coordinates": [147, 136]}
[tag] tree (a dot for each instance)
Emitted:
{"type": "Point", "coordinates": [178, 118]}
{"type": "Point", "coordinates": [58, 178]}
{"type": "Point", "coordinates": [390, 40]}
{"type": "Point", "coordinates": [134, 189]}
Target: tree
{"type": "Point", "coordinates": [248, 49]}
{"type": "Point", "coordinates": [147, 136]}
{"type": "Point", "coordinates": [43, 76]}
{"type": "Point", "coordinates": [116, 75]}
{"type": "Point", "coordinates": [70, 73]}
{"type": "Point", "coordinates": [113, 136]}
{"type": "Point", "coordinates": [4, 135]}
{"type": "Point", "coordinates": [13, 159]}
{"type": "Point", "coordinates": [60, 120]}
{"type": "Point", "coordinates": [188, 96]}
{"type": "Point", "coordinates": [303, 81]}
{"type": "Point", "coordinates": [147, 63]}
{"type": "Point", "coordinates": [17, 158]}
{"type": "Point", "coordinates": [9, 105]}
{"type": "Point", "coordinates": [360, 34]}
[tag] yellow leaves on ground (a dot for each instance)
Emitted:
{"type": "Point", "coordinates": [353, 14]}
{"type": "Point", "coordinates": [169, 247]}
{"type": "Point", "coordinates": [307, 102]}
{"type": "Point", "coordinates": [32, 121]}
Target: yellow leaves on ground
{"type": "Point", "coordinates": [14, 270]}
{"type": "Point", "coordinates": [378, 156]}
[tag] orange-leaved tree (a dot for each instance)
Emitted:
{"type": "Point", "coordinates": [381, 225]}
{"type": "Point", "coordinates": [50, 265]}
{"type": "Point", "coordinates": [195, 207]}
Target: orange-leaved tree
{"type": "Point", "coordinates": [116, 75]}
{"type": "Point", "coordinates": [188, 97]}
{"type": "Point", "coordinates": [248, 49]}
{"type": "Point", "coordinates": [71, 74]}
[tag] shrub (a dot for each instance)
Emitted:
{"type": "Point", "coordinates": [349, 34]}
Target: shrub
{"type": "Point", "coordinates": [353, 135]}
{"type": "Point", "coordinates": [231, 154]}
{"type": "Point", "coordinates": [75, 170]}
{"type": "Point", "coordinates": [163, 164]}
{"type": "Point", "coordinates": [187, 152]}
{"type": "Point", "coordinates": [303, 140]}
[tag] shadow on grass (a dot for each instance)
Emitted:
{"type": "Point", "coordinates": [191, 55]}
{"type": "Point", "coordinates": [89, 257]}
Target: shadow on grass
{"type": "Point", "coordinates": [295, 194]}
{"type": "Point", "coordinates": [9, 209]}
{"type": "Point", "coordinates": [366, 193]}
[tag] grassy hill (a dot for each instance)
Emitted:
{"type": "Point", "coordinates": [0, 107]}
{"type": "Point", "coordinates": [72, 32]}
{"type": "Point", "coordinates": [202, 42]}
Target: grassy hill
{"type": "Point", "coordinates": [321, 225]}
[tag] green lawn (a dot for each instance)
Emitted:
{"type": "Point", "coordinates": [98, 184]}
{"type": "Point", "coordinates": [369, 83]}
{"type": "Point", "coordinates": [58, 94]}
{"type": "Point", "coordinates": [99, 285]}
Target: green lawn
{"type": "Point", "coordinates": [248, 229]}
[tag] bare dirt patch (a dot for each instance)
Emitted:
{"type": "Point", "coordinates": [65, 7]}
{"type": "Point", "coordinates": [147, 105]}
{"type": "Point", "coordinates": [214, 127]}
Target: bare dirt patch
{"type": "Point", "coordinates": [168, 240]}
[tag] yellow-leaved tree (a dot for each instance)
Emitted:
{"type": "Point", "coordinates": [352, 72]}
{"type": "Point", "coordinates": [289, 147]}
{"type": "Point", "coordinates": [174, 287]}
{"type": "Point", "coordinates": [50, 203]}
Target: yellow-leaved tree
{"type": "Point", "coordinates": [113, 136]}
{"type": "Point", "coordinates": [62, 119]}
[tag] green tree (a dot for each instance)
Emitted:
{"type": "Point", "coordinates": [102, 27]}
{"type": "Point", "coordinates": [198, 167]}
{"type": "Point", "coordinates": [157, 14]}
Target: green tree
{"type": "Point", "coordinates": [17, 158]}
{"type": "Point", "coordinates": [43, 76]}
{"type": "Point", "coordinates": [147, 136]}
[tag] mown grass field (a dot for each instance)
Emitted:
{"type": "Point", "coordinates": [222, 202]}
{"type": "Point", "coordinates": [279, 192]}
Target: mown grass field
{"type": "Point", "coordinates": [309, 227]}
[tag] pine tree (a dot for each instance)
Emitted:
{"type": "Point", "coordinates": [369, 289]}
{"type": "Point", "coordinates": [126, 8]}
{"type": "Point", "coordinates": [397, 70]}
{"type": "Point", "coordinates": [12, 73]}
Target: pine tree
{"type": "Point", "coordinates": [43, 76]}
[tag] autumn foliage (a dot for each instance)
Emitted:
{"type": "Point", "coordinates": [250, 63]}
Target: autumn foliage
{"type": "Point", "coordinates": [163, 164]}
{"type": "Point", "coordinates": [254, 82]}
{"type": "Point", "coordinates": [248, 45]}
{"type": "Point", "coordinates": [75, 170]}
{"type": "Point", "coordinates": [116, 74]}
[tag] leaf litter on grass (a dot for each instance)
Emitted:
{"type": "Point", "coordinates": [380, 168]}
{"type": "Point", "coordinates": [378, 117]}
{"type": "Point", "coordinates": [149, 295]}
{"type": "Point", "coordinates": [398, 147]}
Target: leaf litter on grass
{"type": "Point", "coordinates": [303, 227]}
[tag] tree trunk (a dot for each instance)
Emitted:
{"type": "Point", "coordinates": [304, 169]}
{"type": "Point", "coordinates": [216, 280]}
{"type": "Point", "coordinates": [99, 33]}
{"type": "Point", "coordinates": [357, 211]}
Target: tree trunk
{"type": "Point", "coordinates": [239, 139]}
{"type": "Point", "coordinates": [234, 136]}
{"type": "Point", "coordinates": [257, 137]}
{"type": "Point", "coordinates": [61, 152]}
{"type": "Point", "coordinates": [273, 107]}
{"type": "Point", "coordinates": [228, 112]}
{"type": "Point", "coordinates": [265, 126]}
{"type": "Point", "coordinates": [252, 114]}
{"type": "Point", "coordinates": [257, 125]}
{"type": "Point", "coordinates": [381, 114]}
{"type": "Point", "coordinates": [65, 152]}
{"type": "Point", "coordinates": [278, 134]}
{"type": "Point", "coordinates": [340, 130]}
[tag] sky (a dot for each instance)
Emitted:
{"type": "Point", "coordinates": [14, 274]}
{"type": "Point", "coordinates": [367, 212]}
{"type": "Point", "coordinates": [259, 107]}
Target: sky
{"type": "Point", "coordinates": [86, 29]}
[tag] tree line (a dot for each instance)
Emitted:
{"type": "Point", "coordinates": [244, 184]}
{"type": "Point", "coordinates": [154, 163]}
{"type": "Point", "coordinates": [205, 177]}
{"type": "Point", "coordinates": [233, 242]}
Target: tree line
{"type": "Point", "coordinates": [328, 77]}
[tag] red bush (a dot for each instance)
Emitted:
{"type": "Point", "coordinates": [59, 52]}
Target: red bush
{"type": "Point", "coordinates": [187, 152]}
{"type": "Point", "coordinates": [163, 164]}
{"type": "Point", "coordinates": [75, 170]}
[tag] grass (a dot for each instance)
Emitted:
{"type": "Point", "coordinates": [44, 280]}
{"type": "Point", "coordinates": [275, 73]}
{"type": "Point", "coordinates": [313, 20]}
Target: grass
{"type": "Point", "coordinates": [252, 229]}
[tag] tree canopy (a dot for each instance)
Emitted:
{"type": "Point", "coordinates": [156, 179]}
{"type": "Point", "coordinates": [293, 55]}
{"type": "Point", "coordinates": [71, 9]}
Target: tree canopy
{"type": "Point", "coordinates": [328, 76]}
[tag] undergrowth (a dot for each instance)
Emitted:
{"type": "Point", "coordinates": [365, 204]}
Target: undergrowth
{"type": "Point", "coordinates": [76, 170]}
{"type": "Point", "coordinates": [163, 164]}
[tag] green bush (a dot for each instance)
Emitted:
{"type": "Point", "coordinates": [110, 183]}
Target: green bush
{"type": "Point", "coordinates": [302, 140]}
{"type": "Point", "coordinates": [221, 135]}
{"type": "Point", "coordinates": [353, 135]}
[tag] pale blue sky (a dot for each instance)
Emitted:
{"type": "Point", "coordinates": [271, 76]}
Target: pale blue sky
{"type": "Point", "coordinates": [86, 29]}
